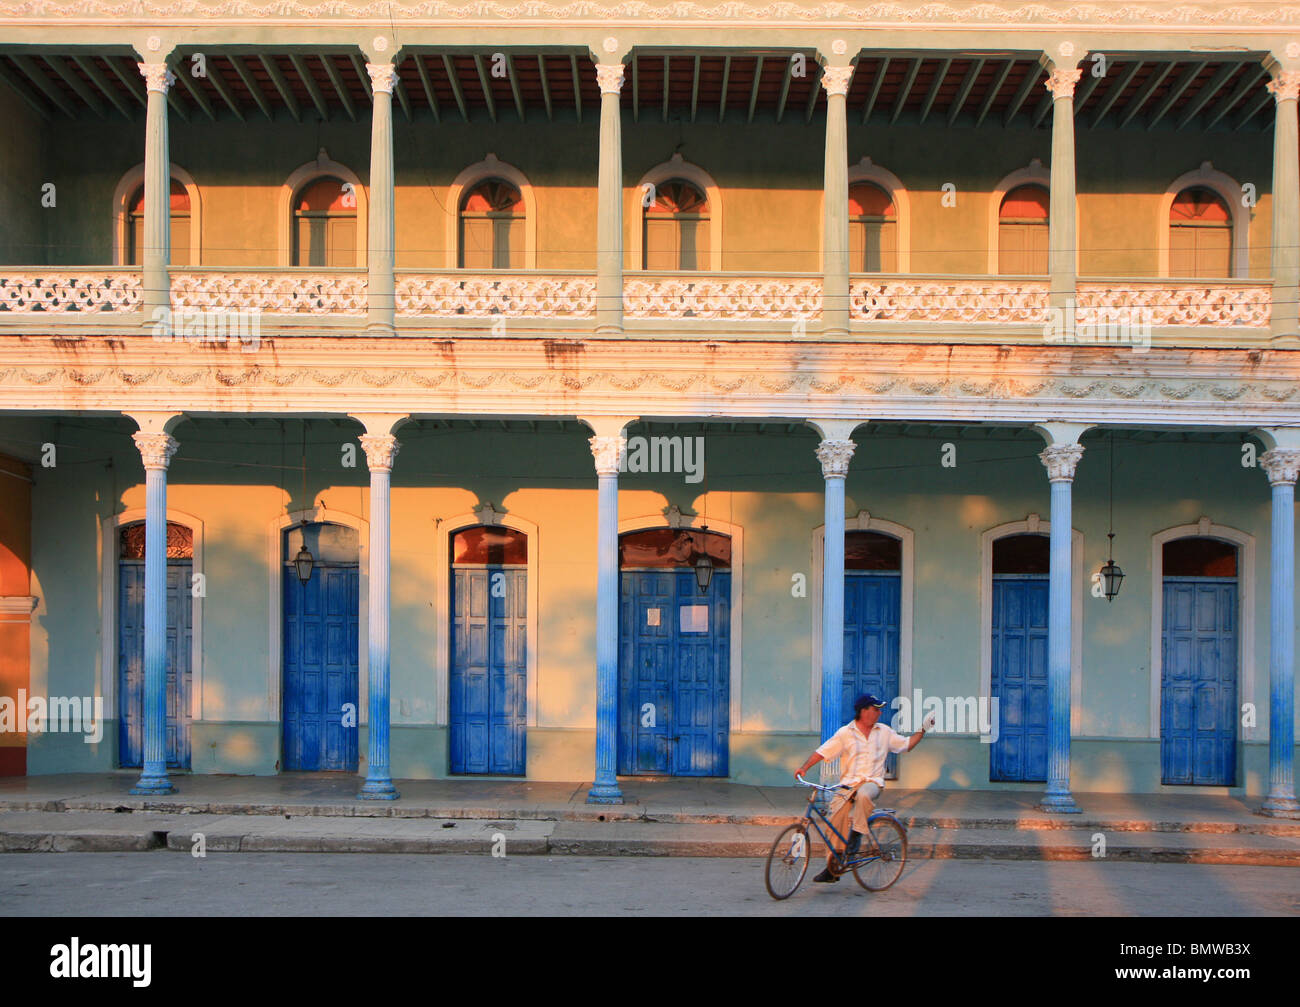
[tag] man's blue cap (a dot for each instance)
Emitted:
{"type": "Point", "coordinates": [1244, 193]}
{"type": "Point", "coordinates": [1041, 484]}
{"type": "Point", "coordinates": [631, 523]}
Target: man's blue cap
{"type": "Point", "coordinates": [865, 700]}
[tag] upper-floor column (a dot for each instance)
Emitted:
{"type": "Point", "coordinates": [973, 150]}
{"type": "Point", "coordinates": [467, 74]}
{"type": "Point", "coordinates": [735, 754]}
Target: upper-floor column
{"type": "Point", "coordinates": [835, 238]}
{"type": "Point", "coordinates": [157, 191]}
{"type": "Point", "coordinates": [609, 202]}
{"type": "Point", "coordinates": [380, 255]}
{"type": "Point", "coordinates": [1285, 86]}
{"type": "Point", "coordinates": [1062, 238]}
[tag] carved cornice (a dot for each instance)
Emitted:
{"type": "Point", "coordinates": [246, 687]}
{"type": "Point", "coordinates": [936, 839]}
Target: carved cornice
{"type": "Point", "coordinates": [156, 450]}
{"type": "Point", "coordinates": [836, 79]}
{"type": "Point", "coordinates": [383, 76]}
{"type": "Point", "coordinates": [1281, 465]}
{"type": "Point", "coordinates": [487, 513]}
{"type": "Point", "coordinates": [834, 456]}
{"type": "Point", "coordinates": [1061, 82]}
{"type": "Point", "coordinates": [380, 449]}
{"type": "Point", "coordinates": [1285, 86]}
{"type": "Point", "coordinates": [609, 76]}
{"type": "Point", "coordinates": [1061, 460]}
{"type": "Point", "coordinates": [156, 76]}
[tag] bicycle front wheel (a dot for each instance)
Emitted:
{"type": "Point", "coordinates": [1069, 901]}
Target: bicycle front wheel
{"type": "Point", "coordinates": [878, 873]}
{"type": "Point", "coordinates": [787, 862]}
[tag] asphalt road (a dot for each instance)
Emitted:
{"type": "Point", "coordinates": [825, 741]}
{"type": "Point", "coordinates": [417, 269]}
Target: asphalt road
{"type": "Point", "coordinates": [165, 883]}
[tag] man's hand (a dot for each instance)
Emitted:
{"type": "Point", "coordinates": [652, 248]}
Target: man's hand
{"type": "Point", "coordinates": [929, 722]}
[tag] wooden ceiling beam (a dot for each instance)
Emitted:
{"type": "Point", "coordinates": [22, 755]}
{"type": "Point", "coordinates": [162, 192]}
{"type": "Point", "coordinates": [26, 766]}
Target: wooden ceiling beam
{"type": "Point", "coordinates": [1177, 91]}
{"type": "Point", "coordinates": [340, 88]}
{"type": "Point", "coordinates": [486, 84]}
{"type": "Point", "coordinates": [875, 90]}
{"type": "Point", "coordinates": [753, 91]}
{"type": "Point", "coordinates": [100, 81]}
{"type": "Point", "coordinates": [1207, 94]}
{"type": "Point", "coordinates": [1114, 91]}
{"type": "Point", "coordinates": [281, 85]}
{"type": "Point", "coordinates": [246, 75]}
{"type": "Point", "coordinates": [963, 92]}
{"type": "Point", "coordinates": [1144, 95]}
{"type": "Point", "coordinates": [1240, 91]}
{"type": "Point", "coordinates": [546, 87]}
{"type": "Point", "coordinates": [933, 93]}
{"type": "Point", "coordinates": [994, 90]}
{"type": "Point", "coordinates": [196, 92]}
{"type": "Point", "coordinates": [1022, 92]}
{"type": "Point", "coordinates": [78, 85]}
{"type": "Point", "coordinates": [914, 67]}
{"type": "Point", "coordinates": [457, 93]}
{"type": "Point", "coordinates": [309, 82]}
{"type": "Point", "coordinates": [34, 74]}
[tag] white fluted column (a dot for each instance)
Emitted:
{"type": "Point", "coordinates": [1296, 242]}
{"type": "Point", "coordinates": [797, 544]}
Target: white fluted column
{"type": "Point", "coordinates": [835, 239]}
{"type": "Point", "coordinates": [609, 202]}
{"type": "Point", "coordinates": [1285, 86]}
{"type": "Point", "coordinates": [1062, 237]}
{"type": "Point", "coordinates": [1282, 466]}
{"type": "Point", "coordinates": [156, 254]}
{"type": "Point", "coordinates": [380, 254]}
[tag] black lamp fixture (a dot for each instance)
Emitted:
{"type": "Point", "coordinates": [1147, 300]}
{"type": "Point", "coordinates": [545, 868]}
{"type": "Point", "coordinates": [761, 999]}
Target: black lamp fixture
{"type": "Point", "coordinates": [704, 570]}
{"type": "Point", "coordinates": [1112, 576]}
{"type": "Point", "coordinates": [304, 561]}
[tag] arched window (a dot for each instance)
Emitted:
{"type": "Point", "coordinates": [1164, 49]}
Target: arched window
{"type": "Point", "coordinates": [873, 230]}
{"type": "Point", "coordinates": [492, 222]}
{"type": "Point", "coordinates": [1200, 234]}
{"type": "Point", "coordinates": [1022, 232]}
{"type": "Point", "coordinates": [677, 227]}
{"type": "Point", "coordinates": [180, 226]}
{"type": "Point", "coordinates": [325, 224]}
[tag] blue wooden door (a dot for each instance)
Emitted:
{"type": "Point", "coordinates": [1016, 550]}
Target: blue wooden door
{"type": "Point", "coordinates": [321, 668]}
{"type": "Point", "coordinates": [1198, 682]}
{"type": "Point", "coordinates": [1019, 678]}
{"type": "Point", "coordinates": [489, 670]}
{"type": "Point", "coordinates": [130, 662]}
{"type": "Point", "coordinates": [674, 673]}
{"type": "Point", "coordinates": [871, 636]}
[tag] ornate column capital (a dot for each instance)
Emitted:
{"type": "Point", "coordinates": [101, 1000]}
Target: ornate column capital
{"type": "Point", "coordinates": [156, 76]}
{"type": "Point", "coordinates": [1061, 460]}
{"type": "Point", "coordinates": [383, 76]}
{"type": "Point", "coordinates": [835, 79]}
{"type": "Point", "coordinates": [610, 77]}
{"type": "Point", "coordinates": [1061, 82]}
{"type": "Point", "coordinates": [380, 451]}
{"type": "Point", "coordinates": [607, 450]}
{"type": "Point", "coordinates": [156, 450]}
{"type": "Point", "coordinates": [834, 456]}
{"type": "Point", "coordinates": [1281, 465]}
{"type": "Point", "coordinates": [1285, 86]}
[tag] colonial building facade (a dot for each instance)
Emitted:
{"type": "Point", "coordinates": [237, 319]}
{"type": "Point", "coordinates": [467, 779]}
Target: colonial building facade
{"type": "Point", "coordinates": [591, 391]}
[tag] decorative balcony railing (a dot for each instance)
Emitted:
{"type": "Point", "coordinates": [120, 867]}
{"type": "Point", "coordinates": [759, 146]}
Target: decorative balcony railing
{"type": "Point", "coordinates": [484, 295]}
{"type": "Point", "coordinates": [271, 291]}
{"type": "Point", "coordinates": [947, 299]}
{"type": "Point", "coordinates": [1177, 302]}
{"type": "Point", "coordinates": [58, 290]}
{"type": "Point", "coordinates": [724, 296]}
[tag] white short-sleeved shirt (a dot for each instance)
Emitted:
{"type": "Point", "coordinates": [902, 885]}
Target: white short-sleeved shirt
{"type": "Point", "coordinates": [862, 757]}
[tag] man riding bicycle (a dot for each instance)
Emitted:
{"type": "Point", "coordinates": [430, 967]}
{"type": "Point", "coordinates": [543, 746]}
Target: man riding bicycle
{"type": "Point", "coordinates": [862, 745]}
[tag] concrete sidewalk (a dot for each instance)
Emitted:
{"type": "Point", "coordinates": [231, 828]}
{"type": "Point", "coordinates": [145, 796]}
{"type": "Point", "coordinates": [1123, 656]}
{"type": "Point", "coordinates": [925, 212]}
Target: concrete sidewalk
{"type": "Point", "coordinates": [320, 813]}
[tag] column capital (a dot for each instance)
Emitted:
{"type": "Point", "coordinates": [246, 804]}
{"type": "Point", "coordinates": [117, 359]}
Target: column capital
{"type": "Point", "coordinates": [1285, 85]}
{"type": "Point", "coordinates": [834, 454]}
{"type": "Point", "coordinates": [607, 450]}
{"type": "Point", "coordinates": [156, 449]}
{"type": "Point", "coordinates": [383, 77]}
{"type": "Point", "coordinates": [380, 449]}
{"type": "Point", "coordinates": [836, 79]}
{"type": "Point", "coordinates": [609, 76]}
{"type": "Point", "coordinates": [1281, 465]}
{"type": "Point", "coordinates": [1061, 460]}
{"type": "Point", "coordinates": [157, 76]}
{"type": "Point", "coordinates": [1061, 82]}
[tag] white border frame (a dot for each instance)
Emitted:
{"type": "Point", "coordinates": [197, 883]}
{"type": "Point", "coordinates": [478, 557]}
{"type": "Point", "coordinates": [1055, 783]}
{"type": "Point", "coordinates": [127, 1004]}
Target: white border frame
{"type": "Point", "coordinates": [1229, 190]}
{"type": "Point", "coordinates": [634, 212]}
{"type": "Point", "coordinates": [737, 535]}
{"type": "Point", "coordinates": [109, 528]}
{"type": "Point", "coordinates": [300, 176]}
{"type": "Point", "coordinates": [1034, 525]}
{"type": "Point", "coordinates": [127, 185]}
{"type": "Point", "coordinates": [863, 521]}
{"type": "Point", "coordinates": [275, 662]}
{"type": "Point", "coordinates": [868, 171]}
{"type": "Point", "coordinates": [444, 530]}
{"type": "Point", "coordinates": [490, 167]}
{"type": "Point", "coordinates": [1245, 543]}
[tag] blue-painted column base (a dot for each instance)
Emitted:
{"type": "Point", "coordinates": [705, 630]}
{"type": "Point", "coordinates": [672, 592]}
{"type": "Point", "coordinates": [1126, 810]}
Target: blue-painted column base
{"type": "Point", "coordinates": [1059, 804]}
{"type": "Point", "coordinates": [148, 786]}
{"type": "Point", "coordinates": [378, 790]}
{"type": "Point", "coordinates": [604, 793]}
{"type": "Point", "coordinates": [1281, 807]}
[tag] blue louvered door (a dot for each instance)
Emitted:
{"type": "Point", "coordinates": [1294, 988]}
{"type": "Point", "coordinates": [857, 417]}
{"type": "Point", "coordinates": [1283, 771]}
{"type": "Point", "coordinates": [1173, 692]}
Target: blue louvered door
{"type": "Point", "coordinates": [489, 670]}
{"type": "Point", "coordinates": [1198, 681]}
{"type": "Point", "coordinates": [871, 642]}
{"type": "Point", "coordinates": [130, 662]}
{"type": "Point", "coordinates": [321, 669]}
{"type": "Point", "coordinates": [674, 674]}
{"type": "Point", "coordinates": [1019, 678]}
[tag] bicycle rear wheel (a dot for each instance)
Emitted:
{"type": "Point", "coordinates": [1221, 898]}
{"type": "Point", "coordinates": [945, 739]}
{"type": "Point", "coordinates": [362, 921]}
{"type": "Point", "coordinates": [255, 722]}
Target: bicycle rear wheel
{"type": "Point", "coordinates": [886, 866]}
{"type": "Point", "coordinates": [787, 862]}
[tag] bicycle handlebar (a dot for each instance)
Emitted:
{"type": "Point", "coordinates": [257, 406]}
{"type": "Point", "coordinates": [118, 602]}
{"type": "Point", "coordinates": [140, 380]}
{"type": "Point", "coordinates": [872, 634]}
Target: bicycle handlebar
{"type": "Point", "coordinates": [817, 786]}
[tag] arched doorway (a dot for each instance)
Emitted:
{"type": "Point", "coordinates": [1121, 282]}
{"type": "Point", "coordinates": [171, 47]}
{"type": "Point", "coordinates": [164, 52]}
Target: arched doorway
{"type": "Point", "coordinates": [674, 652]}
{"type": "Point", "coordinates": [130, 643]}
{"type": "Point", "coordinates": [320, 648]}
{"type": "Point", "coordinates": [1018, 682]}
{"type": "Point", "coordinates": [488, 671]}
{"type": "Point", "coordinates": [1198, 679]}
{"type": "Point", "coordinates": [873, 577]}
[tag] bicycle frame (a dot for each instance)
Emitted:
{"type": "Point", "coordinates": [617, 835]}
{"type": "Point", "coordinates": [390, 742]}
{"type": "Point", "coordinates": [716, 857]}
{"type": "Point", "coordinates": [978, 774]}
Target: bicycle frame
{"type": "Point", "coordinates": [839, 856]}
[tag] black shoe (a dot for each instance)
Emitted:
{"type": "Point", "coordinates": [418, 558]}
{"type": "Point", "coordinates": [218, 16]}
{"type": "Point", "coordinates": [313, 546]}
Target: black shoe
{"type": "Point", "coordinates": [855, 843]}
{"type": "Point", "coordinates": [826, 875]}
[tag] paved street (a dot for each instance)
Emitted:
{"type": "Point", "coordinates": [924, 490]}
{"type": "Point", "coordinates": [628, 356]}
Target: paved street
{"type": "Point", "coordinates": [170, 883]}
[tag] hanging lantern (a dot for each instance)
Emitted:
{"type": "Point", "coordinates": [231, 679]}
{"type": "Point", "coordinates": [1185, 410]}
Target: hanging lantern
{"type": "Point", "coordinates": [1112, 576]}
{"type": "Point", "coordinates": [703, 572]}
{"type": "Point", "coordinates": [303, 563]}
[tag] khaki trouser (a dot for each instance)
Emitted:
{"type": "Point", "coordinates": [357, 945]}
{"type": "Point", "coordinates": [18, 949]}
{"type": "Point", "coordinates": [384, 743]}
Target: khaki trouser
{"type": "Point", "coordinates": [857, 802]}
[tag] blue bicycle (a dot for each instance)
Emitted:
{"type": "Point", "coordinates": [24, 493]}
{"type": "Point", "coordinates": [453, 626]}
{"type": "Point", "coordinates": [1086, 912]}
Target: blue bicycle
{"type": "Point", "coordinates": [877, 865]}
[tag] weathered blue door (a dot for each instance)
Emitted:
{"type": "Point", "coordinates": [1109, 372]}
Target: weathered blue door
{"type": "Point", "coordinates": [1198, 681]}
{"type": "Point", "coordinates": [674, 673]}
{"type": "Point", "coordinates": [489, 670]}
{"type": "Point", "coordinates": [130, 662]}
{"type": "Point", "coordinates": [871, 635]}
{"type": "Point", "coordinates": [321, 668]}
{"type": "Point", "coordinates": [1019, 677]}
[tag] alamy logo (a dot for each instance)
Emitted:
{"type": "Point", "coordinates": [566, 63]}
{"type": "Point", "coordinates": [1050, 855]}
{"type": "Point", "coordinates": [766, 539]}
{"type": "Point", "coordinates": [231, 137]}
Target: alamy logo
{"type": "Point", "coordinates": [102, 961]}
{"type": "Point", "coordinates": [664, 454]}
{"type": "Point", "coordinates": [1106, 326]}
{"type": "Point", "coordinates": [210, 325]}
{"type": "Point", "coordinates": [55, 715]}
{"type": "Point", "coordinates": [953, 714]}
